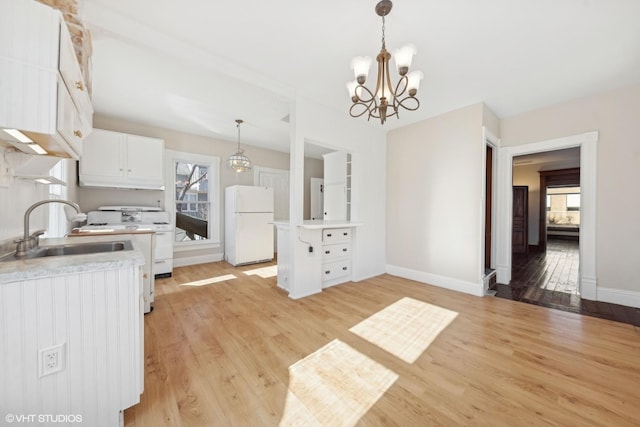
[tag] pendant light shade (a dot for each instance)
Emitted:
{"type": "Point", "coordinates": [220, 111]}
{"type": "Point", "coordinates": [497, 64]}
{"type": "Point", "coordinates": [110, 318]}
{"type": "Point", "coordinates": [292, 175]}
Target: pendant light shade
{"type": "Point", "coordinates": [238, 161]}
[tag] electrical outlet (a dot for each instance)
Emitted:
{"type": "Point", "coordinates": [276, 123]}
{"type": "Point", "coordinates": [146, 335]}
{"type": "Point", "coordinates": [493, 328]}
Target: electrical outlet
{"type": "Point", "coordinates": [52, 359]}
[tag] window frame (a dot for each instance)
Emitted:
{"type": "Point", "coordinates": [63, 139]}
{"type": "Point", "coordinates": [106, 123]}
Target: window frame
{"type": "Point", "coordinates": [213, 170]}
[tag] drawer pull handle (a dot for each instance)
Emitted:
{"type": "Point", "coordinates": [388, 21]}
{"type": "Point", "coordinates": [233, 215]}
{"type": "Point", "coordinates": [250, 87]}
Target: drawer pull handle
{"type": "Point", "coordinates": [344, 249]}
{"type": "Point", "coordinates": [344, 268]}
{"type": "Point", "coordinates": [79, 86]}
{"type": "Point", "coordinates": [327, 252]}
{"type": "Point", "coordinates": [77, 133]}
{"type": "Point", "coordinates": [345, 233]}
{"type": "Point", "coordinates": [328, 234]}
{"type": "Point", "coordinates": [327, 272]}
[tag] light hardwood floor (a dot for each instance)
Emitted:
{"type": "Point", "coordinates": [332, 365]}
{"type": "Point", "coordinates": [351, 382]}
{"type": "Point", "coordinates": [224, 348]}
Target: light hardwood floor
{"type": "Point", "coordinates": [218, 355]}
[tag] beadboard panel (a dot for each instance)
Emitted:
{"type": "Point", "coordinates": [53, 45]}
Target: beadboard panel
{"type": "Point", "coordinates": [29, 60]}
{"type": "Point", "coordinates": [97, 316]}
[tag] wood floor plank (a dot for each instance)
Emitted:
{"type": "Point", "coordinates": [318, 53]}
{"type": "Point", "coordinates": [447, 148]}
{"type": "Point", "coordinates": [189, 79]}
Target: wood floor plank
{"type": "Point", "coordinates": [218, 354]}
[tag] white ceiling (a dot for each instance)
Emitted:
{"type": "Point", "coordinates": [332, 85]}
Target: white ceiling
{"type": "Point", "coordinates": [197, 65]}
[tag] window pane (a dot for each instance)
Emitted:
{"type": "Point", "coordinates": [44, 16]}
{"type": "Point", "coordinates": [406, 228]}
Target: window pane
{"type": "Point", "coordinates": [191, 186]}
{"type": "Point", "coordinates": [573, 201]}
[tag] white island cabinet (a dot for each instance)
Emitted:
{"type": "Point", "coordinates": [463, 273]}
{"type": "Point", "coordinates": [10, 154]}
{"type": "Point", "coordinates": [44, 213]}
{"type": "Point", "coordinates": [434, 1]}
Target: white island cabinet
{"type": "Point", "coordinates": [71, 334]}
{"type": "Point", "coordinates": [322, 254]}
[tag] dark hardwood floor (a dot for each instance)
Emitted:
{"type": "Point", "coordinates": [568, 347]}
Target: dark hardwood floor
{"type": "Point", "coordinates": [550, 279]}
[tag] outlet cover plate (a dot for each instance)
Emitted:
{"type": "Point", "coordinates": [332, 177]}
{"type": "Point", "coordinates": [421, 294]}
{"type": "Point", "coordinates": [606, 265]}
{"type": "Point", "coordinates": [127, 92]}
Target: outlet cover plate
{"type": "Point", "coordinates": [52, 359]}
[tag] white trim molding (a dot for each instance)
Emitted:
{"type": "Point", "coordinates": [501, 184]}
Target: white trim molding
{"type": "Point", "coordinates": [588, 173]}
{"type": "Point", "coordinates": [619, 296]}
{"type": "Point", "coordinates": [451, 283]}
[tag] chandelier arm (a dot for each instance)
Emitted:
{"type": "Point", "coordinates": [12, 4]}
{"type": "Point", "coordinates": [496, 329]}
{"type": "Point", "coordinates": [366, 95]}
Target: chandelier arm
{"type": "Point", "coordinates": [401, 103]}
{"type": "Point", "coordinates": [367, 109]}
{"type": "Point", "coordinates": [387, 76]}
{"type": "Point", "coordinates": [372, 97]}
{"type": "Point", "coordinates": [401, 87]}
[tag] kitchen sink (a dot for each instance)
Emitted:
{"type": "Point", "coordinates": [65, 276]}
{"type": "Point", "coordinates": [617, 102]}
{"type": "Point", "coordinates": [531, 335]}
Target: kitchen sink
{"type": "Point", "coordinates": [73, 249]}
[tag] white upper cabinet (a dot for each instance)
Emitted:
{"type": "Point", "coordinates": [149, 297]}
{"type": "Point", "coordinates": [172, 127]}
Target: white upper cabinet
{"type": "Point", "coordinates": [119, 160]}
{"type": "Point", "coordinates": [42, 91]}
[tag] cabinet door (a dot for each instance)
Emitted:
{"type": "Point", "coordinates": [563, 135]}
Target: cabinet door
{"type": "Point", "coordinates": [69, 125]}
{"type": "Point", "coordinates": [72, 76]}
{"type": "Point", "coordinates": [102, 155]}
{"type": "Point", "coordinates": [335, 167]}
{"type": "Point", "coordinates": [335, 202]}
{"type": "Point", "coordinates": [145, 159]}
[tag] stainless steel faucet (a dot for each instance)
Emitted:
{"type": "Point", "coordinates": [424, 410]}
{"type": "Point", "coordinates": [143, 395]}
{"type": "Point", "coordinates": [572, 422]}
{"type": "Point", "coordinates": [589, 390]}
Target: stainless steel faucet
{"type": "Point", "coordinates": [31, 242]}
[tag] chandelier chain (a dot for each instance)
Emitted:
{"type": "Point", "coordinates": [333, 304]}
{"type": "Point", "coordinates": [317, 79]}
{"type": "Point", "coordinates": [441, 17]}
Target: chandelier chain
{"type": "Point", "coordinates": [383, 27]}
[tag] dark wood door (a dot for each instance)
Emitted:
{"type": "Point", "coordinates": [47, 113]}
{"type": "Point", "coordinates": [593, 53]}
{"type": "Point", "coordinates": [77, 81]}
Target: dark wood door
{"type": "Point", "coordinates": [488, 213]}
{"type": "Point", "coordinates": [519, 235]}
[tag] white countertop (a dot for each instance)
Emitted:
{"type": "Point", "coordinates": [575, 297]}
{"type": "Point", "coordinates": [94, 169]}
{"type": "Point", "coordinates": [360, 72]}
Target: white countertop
{"type": "Point", "coordinates": [319, 224]}
{"type": "Point", "coordinates": [26, 269]}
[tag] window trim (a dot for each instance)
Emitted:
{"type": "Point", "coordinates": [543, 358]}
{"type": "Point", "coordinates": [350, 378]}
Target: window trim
{"type": "Point", "coordinates": [213, 165]}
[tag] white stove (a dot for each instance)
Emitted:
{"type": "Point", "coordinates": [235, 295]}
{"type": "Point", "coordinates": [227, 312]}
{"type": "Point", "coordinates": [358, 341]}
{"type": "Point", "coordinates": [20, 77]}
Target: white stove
{"type": "Point", "coordinates": [128, 218]}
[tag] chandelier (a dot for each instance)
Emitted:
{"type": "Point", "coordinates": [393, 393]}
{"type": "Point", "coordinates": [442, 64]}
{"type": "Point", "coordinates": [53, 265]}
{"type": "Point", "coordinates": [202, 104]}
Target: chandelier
{"type": "Point", "coordinates": [385, 100]}
{"type": "Point", "coordinates": [239, 162]}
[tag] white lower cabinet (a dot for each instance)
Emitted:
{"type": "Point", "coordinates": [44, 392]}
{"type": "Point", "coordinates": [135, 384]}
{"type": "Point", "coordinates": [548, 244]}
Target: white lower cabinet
{"type": "Point", "coordinates": [336, 256]}
{"type": "Point", "coordinates": [91, 323]}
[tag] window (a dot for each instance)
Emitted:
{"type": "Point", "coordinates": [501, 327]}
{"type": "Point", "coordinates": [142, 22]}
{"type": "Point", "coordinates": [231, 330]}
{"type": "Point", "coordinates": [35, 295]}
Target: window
{"type": "Point", "coordinates": [563, 206]}
{"type": "Point", "coordinates": [194, 199]}
{"type": "Point", "coordinates": [58, 223]}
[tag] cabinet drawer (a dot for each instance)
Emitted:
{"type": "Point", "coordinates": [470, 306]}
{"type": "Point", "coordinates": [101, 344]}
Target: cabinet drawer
{"type": "Point", "coordinates": [336, 235]}
{"type": "Point", "coordinates": [339, 250]}
{"type": "Point", "coordinates": [333, 270]}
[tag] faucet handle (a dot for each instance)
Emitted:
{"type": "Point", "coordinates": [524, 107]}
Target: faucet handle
{"type": "Point", "coordinates": [38, 233]}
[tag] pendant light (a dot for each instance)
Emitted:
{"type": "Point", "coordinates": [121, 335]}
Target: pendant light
{"type": "Point", "coordinates": [239, 162]}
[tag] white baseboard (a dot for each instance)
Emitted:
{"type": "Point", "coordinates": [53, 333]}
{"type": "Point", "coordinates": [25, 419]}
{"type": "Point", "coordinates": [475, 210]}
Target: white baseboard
{"type": "Point", "coordinates": [304, 294]}
{"type": "Point", "coordinates": [619, 296]}
{"type": "Point", "coordinates": [200, 259]}
{"type": "Point", "coordinates": [436, 280]}
{"type": "Point", "coordinates": [588, 288]}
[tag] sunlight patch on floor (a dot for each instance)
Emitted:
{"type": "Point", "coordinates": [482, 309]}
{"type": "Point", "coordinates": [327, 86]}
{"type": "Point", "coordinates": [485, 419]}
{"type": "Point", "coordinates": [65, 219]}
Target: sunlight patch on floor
{"type": "Point", "coordinates": [405, 328]}
{"type": "Point", "coordinates": [210, 280]}
{"type": "Point", "coordinates": [264, 272]}
{"type": "Point", "coordinates": [335, 386]}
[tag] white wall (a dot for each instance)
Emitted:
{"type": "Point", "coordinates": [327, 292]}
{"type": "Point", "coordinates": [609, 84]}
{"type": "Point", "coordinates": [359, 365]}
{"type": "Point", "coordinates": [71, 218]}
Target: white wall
{"type": "Point", "coordinates": [615, 116]}
{"type": "Point", "coordinates": [16, 195]}
{"type": "Point", "coordinates": [434, 200]}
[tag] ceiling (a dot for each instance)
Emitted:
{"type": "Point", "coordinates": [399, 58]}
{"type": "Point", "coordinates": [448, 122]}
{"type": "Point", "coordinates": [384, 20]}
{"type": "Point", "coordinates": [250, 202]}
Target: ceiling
{"type": "Point", "coordinates": [197, 65]}
{"type": "Point", "coordinates": [569, 157]}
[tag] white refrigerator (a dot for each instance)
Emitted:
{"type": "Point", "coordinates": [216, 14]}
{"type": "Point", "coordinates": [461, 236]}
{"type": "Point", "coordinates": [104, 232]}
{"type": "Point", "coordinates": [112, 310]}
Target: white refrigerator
{"type": "Point", "coordinates": [248, 229]}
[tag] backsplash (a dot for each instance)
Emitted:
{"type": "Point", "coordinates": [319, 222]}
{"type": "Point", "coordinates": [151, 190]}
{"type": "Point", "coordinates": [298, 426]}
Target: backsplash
{"type": "Point", "coordinates": [15, 198]}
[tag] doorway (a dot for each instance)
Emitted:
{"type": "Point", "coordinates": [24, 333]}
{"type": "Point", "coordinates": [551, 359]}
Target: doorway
{"type": "Point", "coordinates": [545, 271]}
{"type": "Point", "coordinates": [587, 143]}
